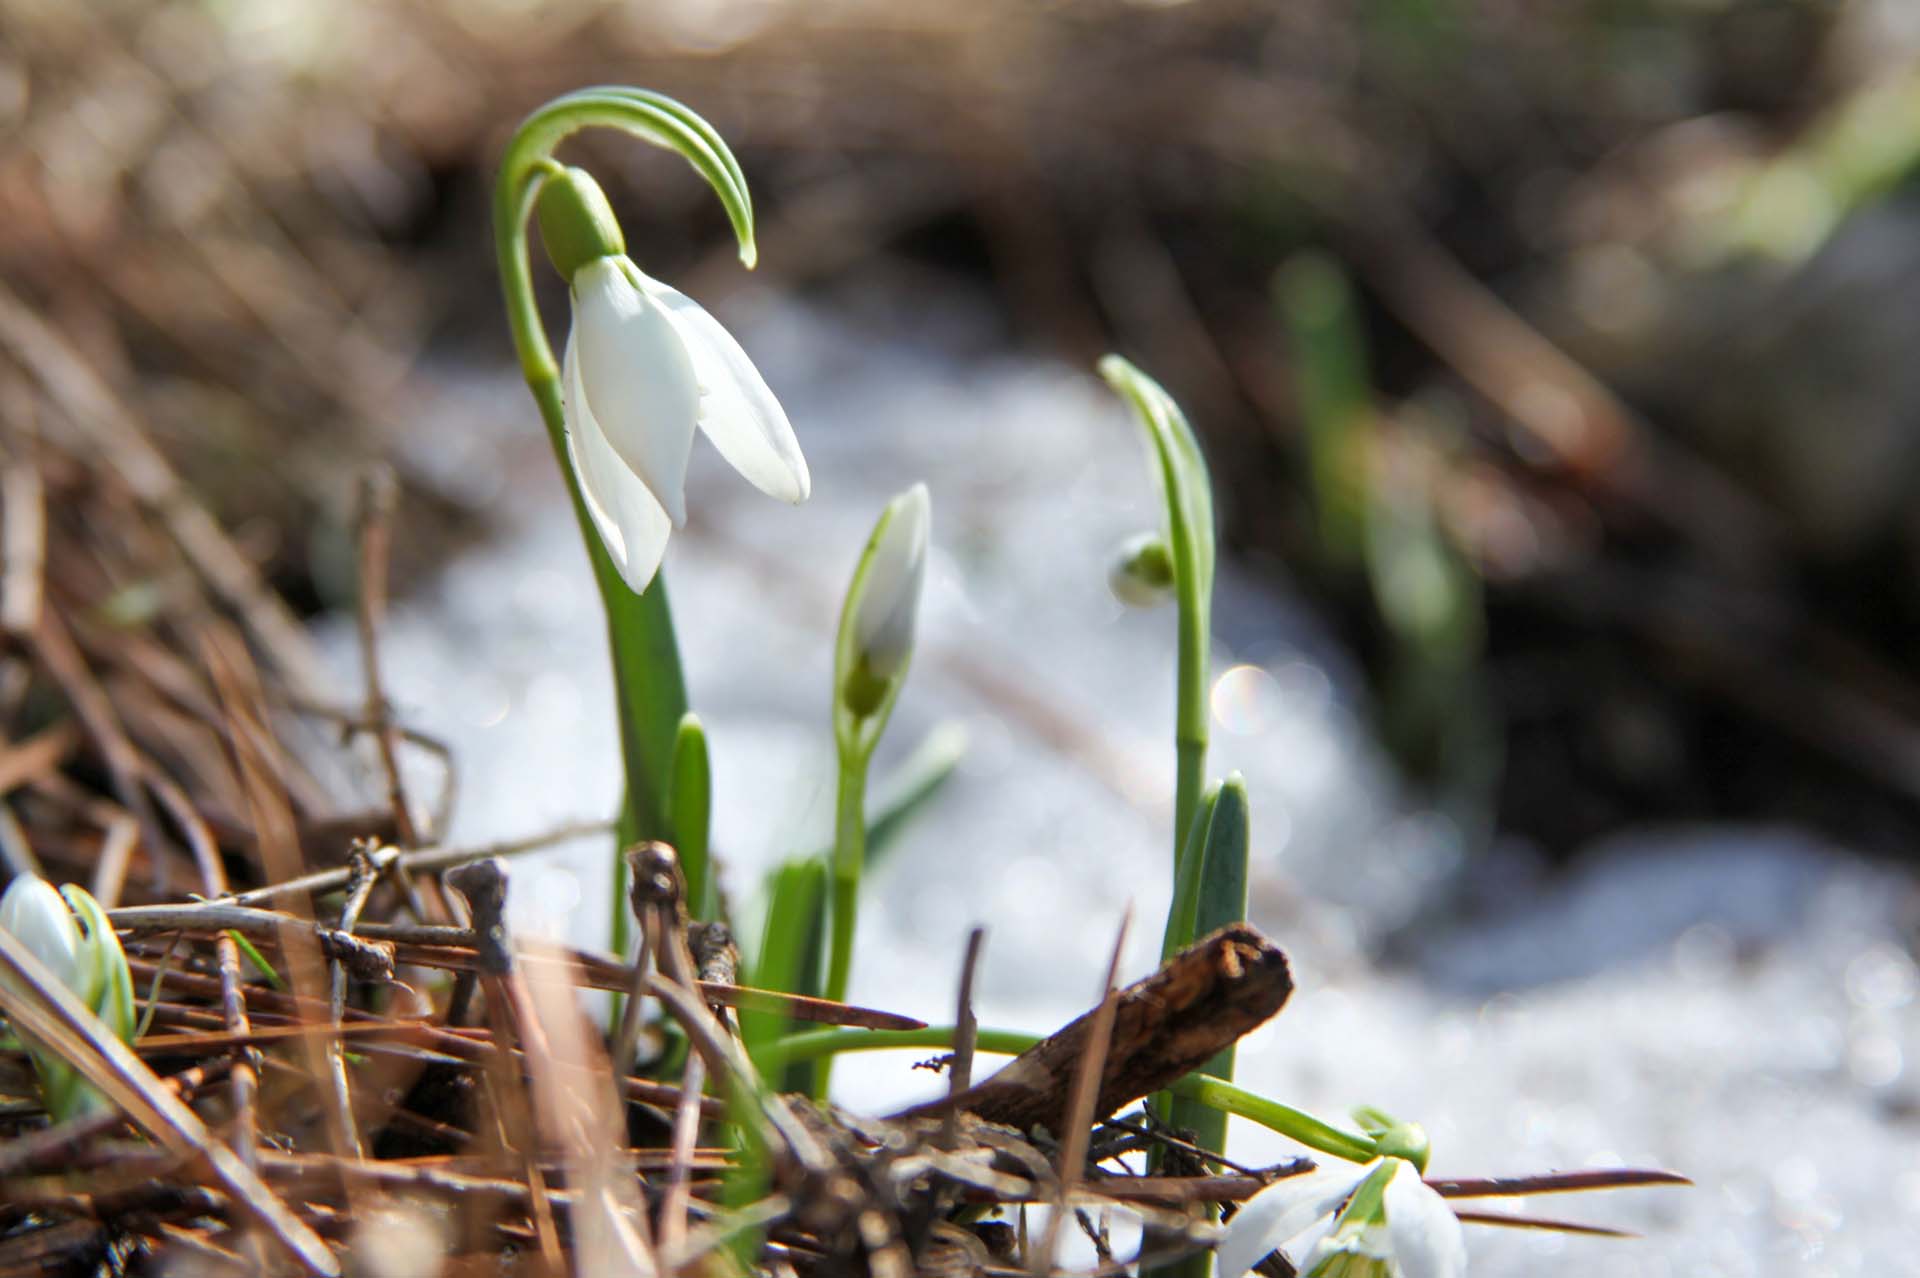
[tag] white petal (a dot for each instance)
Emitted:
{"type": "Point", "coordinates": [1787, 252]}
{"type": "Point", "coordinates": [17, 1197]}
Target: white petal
{"type": "Point", "coordinates": [737, 411]}
{"type": "Point", "coordinates": [631, 523]}
{"type": "Point", "coordinates": [1281, 1212]}
{"type": "Point", "coordinates": [1427, 1240]}
{"type": "Point", "coordinates": [34, 914]}
{"type": "Point", "coordinates": [890, 600]}
{"type": "Point", "coordinates": [638, 379]}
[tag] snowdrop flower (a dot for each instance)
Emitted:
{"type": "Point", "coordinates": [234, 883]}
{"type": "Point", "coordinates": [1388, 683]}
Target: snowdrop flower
{"type": "Point", "coordinates": [71, 936]}
{"type": "Point", "coordinates": [883, 604]}
{"type": "Point", "coordinates": [644, 365]}
{"type": "Point", "coordinates": [1376, 1221]}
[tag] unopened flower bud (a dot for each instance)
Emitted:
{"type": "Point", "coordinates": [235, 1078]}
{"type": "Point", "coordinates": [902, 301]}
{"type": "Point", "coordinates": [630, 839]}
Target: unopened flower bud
{"type": "Point", "coordinates": [884, 604]}
{"type": "Point", "coordinates": [72, 937]}
{"type": "Point", "coordinates": [1142, 571]}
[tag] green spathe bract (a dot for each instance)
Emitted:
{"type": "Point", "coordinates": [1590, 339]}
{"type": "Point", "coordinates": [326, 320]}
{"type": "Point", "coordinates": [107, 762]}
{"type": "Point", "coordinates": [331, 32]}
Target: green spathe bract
{"type": "Point", "coordinates": [577, 224]}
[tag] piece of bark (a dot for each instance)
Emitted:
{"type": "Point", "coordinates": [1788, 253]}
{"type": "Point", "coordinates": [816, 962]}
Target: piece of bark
{"type": "Point", "coordinates": [1165, 1027]}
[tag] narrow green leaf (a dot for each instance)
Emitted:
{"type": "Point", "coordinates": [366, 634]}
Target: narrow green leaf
{"type": "Point", "coordinates": [690, 811]}
{"type": "Point", "coordinates": [1223, 878]}
{"type": "Point", "coordinates": [789, 957]}
{"type": "Point", "coordinates": [1183, 912]}
{"type": "Point", "coordinates": [253, 957]}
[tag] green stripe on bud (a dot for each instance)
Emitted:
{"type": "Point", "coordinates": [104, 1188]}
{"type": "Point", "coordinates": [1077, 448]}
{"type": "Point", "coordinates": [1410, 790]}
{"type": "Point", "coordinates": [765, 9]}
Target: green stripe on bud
{"type": "Point", "coordinates": [576, 222]}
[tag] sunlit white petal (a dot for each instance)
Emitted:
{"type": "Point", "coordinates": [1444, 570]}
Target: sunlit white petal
{"type": "Point", "coordinates": [1282, 1211]}
{"type": "Point", "coordinates": [632, 524]}
{"type": "Point", "coordinates": [34, 914]}
{"type": "Point", "coordinates": [1426, 1235]}
{"type": "Point", "coordinates": [737, 410]}
{"type": "Point", "coordinates": [890, 601]}
{"type": "Point", "coordinates": [637, 379]}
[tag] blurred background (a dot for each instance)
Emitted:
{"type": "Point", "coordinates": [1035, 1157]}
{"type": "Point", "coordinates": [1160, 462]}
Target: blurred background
{"type": "Point", "coordinates": [1555, 363]}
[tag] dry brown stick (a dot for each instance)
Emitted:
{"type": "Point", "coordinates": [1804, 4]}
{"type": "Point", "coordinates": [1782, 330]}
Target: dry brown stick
{"type": "Point", "coordinates": [1165, 1026]}
{"type": "Point", "coordinates": [16, 850]}
{"type": "Point", "coordinates": [117, 843]}
{"type": "Point", "coordinates": [23, 528]}
{"type": "Point", "coordinates": [966, 1033]}
{"type": "Point", "coordinates": [1541, 1222]}
{"type": "Point", "coordinates": [355, 723]}
{"type": "Point", "coordinates": [483, 884]}
{"type": "Point", "coordinates": [1080, 1100]}
{"type": "Point", "coordinates": [358, 889]}
{"type": "Point", "coordinates": [244, 1081]}
{"type": "Point", "coordinates": [658, 901]}
{"type": "Point", "coordinates": [365, 960]}
{"type": "Point", "coordinates": [450, 948]}
{"type": "Point", "coordinates": [37, 1003]}
{"type": "Point", "coordinates": [49, 1144]}
{"type": "Point", "coordinates": [424, 861]}
{"type": "Point", "coordinates": [1571, 1182]}
{"type": "Point", "coordinates": [40, 753]}
{"type": "Point", "coordinates": [378, 494]}
{"type": "Point", "coordinates": [259, 770]}
{"type": "Point", "coordinates": [778, 1127]}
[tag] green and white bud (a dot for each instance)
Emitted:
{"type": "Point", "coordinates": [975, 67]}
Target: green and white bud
{"type": "Point", "coordinates": [1393, 1138]}
{"type": "Point", "coordinates": [882, 608]}
{"type": "Point", "coordinates": [74, 940]}
{"type": "Point", "coordinates": [1142, 571]}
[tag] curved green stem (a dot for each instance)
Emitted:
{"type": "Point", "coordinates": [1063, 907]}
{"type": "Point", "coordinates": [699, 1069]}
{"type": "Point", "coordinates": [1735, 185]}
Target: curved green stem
{"type": "Point", "coordinates": [1212, 1092]}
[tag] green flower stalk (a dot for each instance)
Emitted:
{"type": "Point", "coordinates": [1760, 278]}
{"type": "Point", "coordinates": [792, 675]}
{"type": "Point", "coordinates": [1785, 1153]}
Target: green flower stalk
{"type": "Point", "coordinates": [1187, 554]}
{"type": "Point", "coordinates": [71, 936]}
{"type": "Point", "coordinates": [1209, 832]}
{"type": "Point", "coordinates": [644, 368]}
{"type": "Point", "coordinates": [870, 658]}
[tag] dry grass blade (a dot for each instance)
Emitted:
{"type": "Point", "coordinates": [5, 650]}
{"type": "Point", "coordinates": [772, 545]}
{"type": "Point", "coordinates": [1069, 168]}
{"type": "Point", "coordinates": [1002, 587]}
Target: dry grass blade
{"type": "Point", "coordinates": [1570, 1182]}
{"type": "Point", "coordinates": [1081, 1100]}
{"type": "Point", "coordinates": [1541, 1222]}
{"type": "Point", "coordinates": [37, 1005]}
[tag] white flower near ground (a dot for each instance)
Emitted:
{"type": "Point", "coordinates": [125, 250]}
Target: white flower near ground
{"type": "Point", "coordinates": [1319, 1222]}
{"type": "Point", "coordinates": [33, 912]}
{"type": "Point", "coordinates": [72, 937]}
{"type": "Point", "coordinates": [644, 366]}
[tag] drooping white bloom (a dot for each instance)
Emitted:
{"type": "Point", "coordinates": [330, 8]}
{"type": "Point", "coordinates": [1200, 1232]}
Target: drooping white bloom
{"type": "Point", "coordinates": [645, 365]}
{"type": "Point", "coordinates": [1409, 1232]}
{"type": "Point", "coordinates": [889, 604]}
